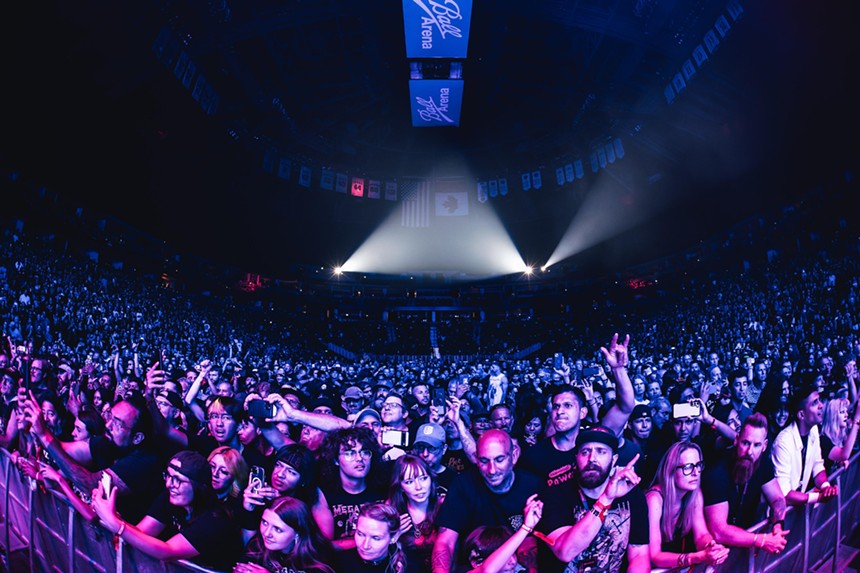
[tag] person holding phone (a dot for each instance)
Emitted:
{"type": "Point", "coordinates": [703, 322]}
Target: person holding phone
{"type": "Point", "coordinates": [185, 521]}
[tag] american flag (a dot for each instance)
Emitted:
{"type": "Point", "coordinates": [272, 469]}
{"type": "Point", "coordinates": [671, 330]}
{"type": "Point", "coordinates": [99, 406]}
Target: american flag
{"type": "Point", "coordinates": [415, 203]}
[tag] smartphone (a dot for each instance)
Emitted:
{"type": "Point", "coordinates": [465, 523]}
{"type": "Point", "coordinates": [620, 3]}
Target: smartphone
{"type": "Point", "coordinates": [590, 371]}
{"type": "Point", "coordinates": [261, 409]}
{"type": "Point", "coordinates": [558, 360]}
{"type": "Point", "coordinates": [439, 397]}
{"type": "Point", "coordinates": [686, 410]}
{"type": "Point", "coordinates": [106, 483]}
{"type": "Point", "coordinates": [257, 477]}
{"type": "Point", "coordinates": [399, 438]}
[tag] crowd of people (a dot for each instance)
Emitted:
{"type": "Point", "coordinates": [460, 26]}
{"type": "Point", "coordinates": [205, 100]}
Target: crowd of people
{"type": "Point", "coordinates": [215, 433]}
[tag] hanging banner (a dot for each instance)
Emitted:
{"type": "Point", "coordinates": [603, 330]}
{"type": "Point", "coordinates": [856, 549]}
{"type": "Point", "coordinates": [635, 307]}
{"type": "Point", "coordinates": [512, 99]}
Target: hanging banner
{"type": "Point", "coordinates": [373, 187]}
{"type": "Point", "coordinates": [357, 187]}
{"type": "Point", "coordinates": [436, 103]}
{"type": "Point", "coordinates": [437, 28]}
{"type": "Point", "coordinates": [340, 182]}
{"type": "Point", "coordinates": [482, 191]}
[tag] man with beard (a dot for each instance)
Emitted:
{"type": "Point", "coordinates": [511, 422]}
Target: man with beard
{"type": "Point", "coordinates": [594, 522]}
{"type": "Point", "coordinates": [492, 494]}
{"type": "Point", "coordinates": [124, 453]}
{"type": "Point", "coordinates": [733, 489]}
{"type": "Point", "coordinates": [552, 458]}
{"type": "Point", "coordinates": [796, 451]}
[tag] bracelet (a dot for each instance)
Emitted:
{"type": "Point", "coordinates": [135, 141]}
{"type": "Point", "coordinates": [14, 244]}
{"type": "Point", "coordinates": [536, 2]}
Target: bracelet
{"type": "Point", "coordinates": [824, 485]}
{"type": "Point", "coordinates": [755, 541]}
{"type": "Point", "coordinates": [121, 529]}
{"type": "Point", "coordinates": [812, 497]}
{"type": "Point", "coordinates": [683, 560]}
{"type": "Point", "coordinates": [526, 528]}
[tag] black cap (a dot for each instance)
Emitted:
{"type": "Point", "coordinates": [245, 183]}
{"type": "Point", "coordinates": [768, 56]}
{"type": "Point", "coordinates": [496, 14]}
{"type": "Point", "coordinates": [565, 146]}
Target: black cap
{"type": "Point", "coordinates": [600, 434]}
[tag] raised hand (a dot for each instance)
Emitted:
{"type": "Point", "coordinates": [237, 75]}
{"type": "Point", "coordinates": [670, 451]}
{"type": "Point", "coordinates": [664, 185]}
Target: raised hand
{"type": "Point", "coordinates": [532, 511]}
{"type": "Point", "coordinates": [622, 480]}
{"type": "Point", "coordinates": [616, 355]}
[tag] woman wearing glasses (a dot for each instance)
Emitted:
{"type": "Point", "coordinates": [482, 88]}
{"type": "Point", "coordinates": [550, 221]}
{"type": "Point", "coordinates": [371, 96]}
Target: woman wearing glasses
{"type": "Point", "coordinates": [679, 533]}
{"type": "Point", "coordinates": [229, 476]}
{"type": "Point", "coordinates": [413, 495]}
{"type": "Point", "coordinates": [184, 522]}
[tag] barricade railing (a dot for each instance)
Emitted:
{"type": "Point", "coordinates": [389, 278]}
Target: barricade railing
{"type": "Point", "coordinates": [56, 538]}
{"type": "Point", "coordinates": [44, 530]}
{"type": "Point", "coordinates": [816, 533]}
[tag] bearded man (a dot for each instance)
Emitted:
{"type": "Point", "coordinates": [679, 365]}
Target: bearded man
{"type": "Point", "coordinates": [734, 488]}
{"type": "Point", "coordinates": [599, 519]}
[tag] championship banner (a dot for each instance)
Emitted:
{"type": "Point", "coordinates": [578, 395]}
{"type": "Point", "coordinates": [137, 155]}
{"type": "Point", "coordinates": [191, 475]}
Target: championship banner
{"type": "Point", "coordinates": [436, 103]}
{"type": "Point", "coordinates": [437, 28]}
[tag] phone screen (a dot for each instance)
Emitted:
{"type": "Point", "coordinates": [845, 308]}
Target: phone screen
{"type": "Point", "coordinates": [439, 400]}
{"type": "Point", "coordinates": [686, 410]}
{"type": "Point", "coordinates": [558, 361]}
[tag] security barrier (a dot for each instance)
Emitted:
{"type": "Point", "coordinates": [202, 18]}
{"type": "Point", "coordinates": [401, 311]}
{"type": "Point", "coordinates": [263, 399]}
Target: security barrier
{"type": "Point", "coordinates": [64, 542]}
{"type": "Point", "coordinates": [44, 530]}
{"type": "Point", "coordinates": [816, 534]}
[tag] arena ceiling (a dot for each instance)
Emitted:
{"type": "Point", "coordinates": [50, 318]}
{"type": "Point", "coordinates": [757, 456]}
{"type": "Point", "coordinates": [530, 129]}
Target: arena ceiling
{"type": "Point", "coordinates": [97, 114]}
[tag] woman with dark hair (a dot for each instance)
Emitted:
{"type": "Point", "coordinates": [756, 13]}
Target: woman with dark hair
{"type": "Point", "coordinates": [413, 495]}
{"type": "Point", "coordinates": [679, 533]}
{"type": "Point", "coordinates": [184, 522]}
{"type": "Point", "coordinates": [533, 427]}
{"type": "Point", "coordinates": [773, 403]}
{"type": "Point", "coordinates": [377, 544]}
{"type": "Point", "coordinates": [288, 540]}
{"type": "Point", "coordinates": [88, 423]}
{"type": "Point", "coordinates": [494, 549]}
{"type": "Point", "coordinates": [293, 474]}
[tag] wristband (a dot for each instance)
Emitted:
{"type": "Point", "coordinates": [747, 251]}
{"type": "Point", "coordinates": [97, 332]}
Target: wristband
{"type": "Point", "coordinates": [824, 485]}
{"type": "Point", "coordinates": [121, 529]}
{"type": "Point", "coordinates": [601, 506]}
{"type": "Point", "coordinates": [526, 528]}
{"type": "Point", "coordinates": [812, 497]}
{"type": "Point", "coordinates": [599, 514]}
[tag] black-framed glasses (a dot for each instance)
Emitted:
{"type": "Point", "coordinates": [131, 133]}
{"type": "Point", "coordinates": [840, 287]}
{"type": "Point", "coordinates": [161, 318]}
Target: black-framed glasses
{"type": "Point", "coordinates": [422, 447]}
{"type": "Point", "coordinates": [222, 417]}
{"type": "Point", "coordinates": [170, 478]}
{"type": "Point", "coordinates": [391, 405]}
{"type": "Point", "coordinates": [687, 469]}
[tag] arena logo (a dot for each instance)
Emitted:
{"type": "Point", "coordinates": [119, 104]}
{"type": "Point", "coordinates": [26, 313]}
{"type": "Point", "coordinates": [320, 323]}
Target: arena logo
{"type": "Point", "coordinates": [430, 112]}
{"type": "Point", "coordinates": [439, 17]}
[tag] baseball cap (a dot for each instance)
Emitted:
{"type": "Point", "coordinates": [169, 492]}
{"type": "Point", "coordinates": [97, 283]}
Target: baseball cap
{"type": "Point", "coordinates": [640, 411]}
{"type": "Point", "coordinates": [367, 412]}
{"type": "Point", "coordinates": [194, 466]}
{"type": "Point", "coordinates": [353, 392]}
{"type": "Point", "coordinates": [431, 434]}
{"type": "Point", "coordinates": [599, 434]}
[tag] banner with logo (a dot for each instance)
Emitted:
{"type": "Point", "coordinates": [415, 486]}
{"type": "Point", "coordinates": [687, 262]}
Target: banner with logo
{"type": "Point", "coordinates": [437, 28]}
{"type": "Point", "coordinates": [436, 103]}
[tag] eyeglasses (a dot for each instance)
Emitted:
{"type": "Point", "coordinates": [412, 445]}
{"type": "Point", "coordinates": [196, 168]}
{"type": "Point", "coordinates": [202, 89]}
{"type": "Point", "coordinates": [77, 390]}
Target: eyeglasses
{"type": "Point", "coordinates": [391, 405]}
{"type": "Point", "coordinates": [687, 469]}
{"type": "Point", "coordinates": [351, 454]}
{"type": "Point", "coordinates": [222, 417]}
{"type": "Point", "coordinates": [420, 448]}
{"type": "Point", "coordinates": [170, 478]}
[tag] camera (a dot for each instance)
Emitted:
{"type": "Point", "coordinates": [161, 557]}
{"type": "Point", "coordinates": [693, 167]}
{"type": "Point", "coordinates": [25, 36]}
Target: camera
{"type": "Point", "coordinates": [261, 409]}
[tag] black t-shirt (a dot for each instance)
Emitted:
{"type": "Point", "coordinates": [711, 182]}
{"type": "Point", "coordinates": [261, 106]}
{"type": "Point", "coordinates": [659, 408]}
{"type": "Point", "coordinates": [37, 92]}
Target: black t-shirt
{"type": "Point", "coordinates": [456, 460]}
{"type": "Point", "coordinates": [470, 503]}
{"type": "Point", "coordinates": [443, 480]}
{"type": "Point", "coordinates": [345, 507]}
{"type": "Point", "coordinates": [139, 468]}
{"type": "Point", "coordinates": [553, 466]}
{"type": "Point", "coordinates": [626, 524]}
{"type": "Point", "coordinates": [211, 532]}
{"type": "Point", "coordinates": [349, 562]}
{"type": "Point", "coordinates": [745, 502]}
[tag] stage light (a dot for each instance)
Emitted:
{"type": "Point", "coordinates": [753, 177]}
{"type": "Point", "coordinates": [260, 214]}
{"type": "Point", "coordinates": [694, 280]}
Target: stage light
{"type": "Point", "coordinates": [338, 271]}
{"type": "Point", "coordinates": [529, 271]}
